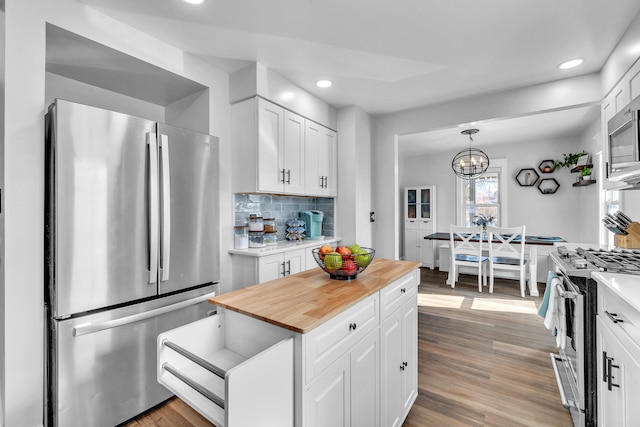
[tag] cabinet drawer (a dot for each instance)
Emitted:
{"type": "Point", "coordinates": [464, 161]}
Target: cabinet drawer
{"type": "Point", "coordinates": [232, 374]}
{"type": "Point", "coordinates": [397, 293]}
{"type": "Point", "coordinates": [326, 343]}
{"type": "Point", "coordinates": [618, 314]}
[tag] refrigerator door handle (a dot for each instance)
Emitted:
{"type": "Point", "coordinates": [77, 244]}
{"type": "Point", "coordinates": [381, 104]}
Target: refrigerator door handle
{"type": "Point", "coordinates": [152, 144]}
{"type": "Point", "coordinates": [89, 328]}
{"type": "Point", "coordinates": [165, 235]}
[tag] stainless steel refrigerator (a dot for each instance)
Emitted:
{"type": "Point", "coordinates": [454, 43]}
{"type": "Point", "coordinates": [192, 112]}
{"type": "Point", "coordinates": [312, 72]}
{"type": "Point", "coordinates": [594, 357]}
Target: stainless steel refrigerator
{"type": "Point", "coordinates": [131, 250]}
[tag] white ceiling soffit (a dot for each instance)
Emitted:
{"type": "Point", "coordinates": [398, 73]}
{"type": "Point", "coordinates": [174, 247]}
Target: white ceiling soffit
{"type": "Point", "coordinates": [385, 56]}
{"type": "Point", "coordinates": [531, 128]}
{"type": "Point", "coordinates": [75, 57]}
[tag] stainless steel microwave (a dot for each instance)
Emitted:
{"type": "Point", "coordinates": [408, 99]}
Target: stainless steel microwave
{"type": "Point", "coordinates": [624, 148]}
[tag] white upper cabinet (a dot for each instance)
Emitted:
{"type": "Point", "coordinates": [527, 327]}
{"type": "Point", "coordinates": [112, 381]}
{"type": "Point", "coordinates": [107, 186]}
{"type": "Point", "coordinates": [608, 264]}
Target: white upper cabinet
{"type": "Point", "coordinates": [320, 160]}
{"type": "Point", "coordinates": [280, 149]}
{"type": "Point", "coordinates": [280, 152]}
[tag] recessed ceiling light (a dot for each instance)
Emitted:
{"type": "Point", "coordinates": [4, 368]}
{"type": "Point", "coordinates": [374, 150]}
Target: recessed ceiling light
{"type": "Point", "coordinates": [194, 1]}
{"type": "Point", "coordinates": [324, 83]}
{"type": "Point", "coordinates": [570, 64]}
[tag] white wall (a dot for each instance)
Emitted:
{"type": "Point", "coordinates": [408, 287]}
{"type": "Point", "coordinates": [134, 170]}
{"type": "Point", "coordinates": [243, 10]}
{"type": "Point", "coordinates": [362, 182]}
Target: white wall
{"type": "Point", "coordinates": [21, 283]}
{"type": "Point", "coordinates": [511, 103]}
{"type": "Point", "coordinates": [354, 201]}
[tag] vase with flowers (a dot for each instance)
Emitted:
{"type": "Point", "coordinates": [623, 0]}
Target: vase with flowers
{"type": "Point", "coordinates": [483, 221]}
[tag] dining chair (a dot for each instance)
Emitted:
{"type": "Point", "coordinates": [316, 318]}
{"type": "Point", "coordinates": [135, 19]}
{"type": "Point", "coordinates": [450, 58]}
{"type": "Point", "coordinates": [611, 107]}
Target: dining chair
{"type": "Point", "coordinates": [466, 250]}
{"type": "Point", "coordinates": [506, 252]}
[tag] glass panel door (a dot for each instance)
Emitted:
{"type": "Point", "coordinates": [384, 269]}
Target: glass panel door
{"type": "Point", "coordinates": [411, 203]}
{"type": "Point", "coordinates": [425, 203]}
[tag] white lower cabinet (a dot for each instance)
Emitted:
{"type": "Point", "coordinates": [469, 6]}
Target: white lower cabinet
{"type": "Point", "coordinates": [234, 370]}
{"type": "Point", "coordinates": [618, 349]}
{"type": "Point", "coordinates": [283, 264]}
{"type": "Point", "coordinates": [399, 372]}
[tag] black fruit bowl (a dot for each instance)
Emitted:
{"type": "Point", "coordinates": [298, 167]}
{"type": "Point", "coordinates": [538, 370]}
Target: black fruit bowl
{"type": "Point", "coordinates": [349, 265]}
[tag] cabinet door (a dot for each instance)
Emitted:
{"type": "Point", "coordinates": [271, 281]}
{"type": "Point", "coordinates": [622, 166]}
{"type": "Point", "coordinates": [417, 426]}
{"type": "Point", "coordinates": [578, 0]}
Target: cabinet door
{"type": "Point", "coordinates": [293, 152]}
{"type": "Point", "coordinates": [424, 211]}
{"type": "Point", "coordinates": [391, 399]}
{"type": "Point", "coordinates": [609, 401]}
{"type": "Point", "coordinates": [327, 399]}
{"type": "Point", "coordinates": [270, 147]}
{"type": "Point", "coordinates": [327, 162]}
{"type": "Point", "coordinates": [314, 181]}
{"type": "Point", "coordinates": [427, 257]}
{"type": "Point", "coordinates": [270, 267]}
{"type": "Point", "coordinates": [294, 261]}
{"type": "Point", "coordinates": [409, 376]}
{"type": "Point", "coordinates": [411, 245]}
{"type": "Point", "coordinates": [630, 384]}
{"type": "Point", "coordinates": [320, 160]}
{"type": "Point", "coordinates": [411, 203]}
{"type": "Point", "coordinates": [365, 382]}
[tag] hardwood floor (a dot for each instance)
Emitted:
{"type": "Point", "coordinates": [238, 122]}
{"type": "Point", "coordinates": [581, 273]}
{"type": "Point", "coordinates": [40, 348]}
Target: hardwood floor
{"type": "Point", "coordinates": [483, 361]}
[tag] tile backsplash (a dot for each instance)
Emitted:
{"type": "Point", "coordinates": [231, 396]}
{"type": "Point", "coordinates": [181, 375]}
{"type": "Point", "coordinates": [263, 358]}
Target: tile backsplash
{"type": "Point", "coordinates": [283, 208]}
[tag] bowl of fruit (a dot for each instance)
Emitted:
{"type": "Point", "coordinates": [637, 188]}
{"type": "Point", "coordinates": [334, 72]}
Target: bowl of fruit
{"type": "Point", "coordinates": [343, 262]}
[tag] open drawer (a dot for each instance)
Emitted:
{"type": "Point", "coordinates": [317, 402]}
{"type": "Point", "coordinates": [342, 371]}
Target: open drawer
{"type": "Point", "coordinates": [232, 369]}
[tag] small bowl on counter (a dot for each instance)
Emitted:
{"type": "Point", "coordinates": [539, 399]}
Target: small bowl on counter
{"type": "Point", "coordinates": [344, 266]}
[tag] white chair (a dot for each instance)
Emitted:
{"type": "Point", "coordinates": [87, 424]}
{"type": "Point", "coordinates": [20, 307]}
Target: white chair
{"type": "Point", "coordinates": [506, 252]}
{"type": "Point", "coordinates": [466, 250]}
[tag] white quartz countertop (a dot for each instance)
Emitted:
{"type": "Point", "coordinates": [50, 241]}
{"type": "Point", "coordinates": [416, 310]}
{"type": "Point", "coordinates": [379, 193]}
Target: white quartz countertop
{"type": "Point", "coordinates": [284, 246]}
{"type": "Point", "coordinates": [626, 286]}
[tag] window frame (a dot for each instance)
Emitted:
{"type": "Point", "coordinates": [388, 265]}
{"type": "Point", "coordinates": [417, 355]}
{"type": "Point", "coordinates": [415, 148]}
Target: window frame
{"type": "Point", "coordinates": [498, 166]}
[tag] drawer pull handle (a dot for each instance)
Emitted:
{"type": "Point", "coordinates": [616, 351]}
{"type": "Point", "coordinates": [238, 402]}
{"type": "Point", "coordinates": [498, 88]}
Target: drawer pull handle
{"type": "Point", "coordinates": [402, 367]}
{"type": "Point", "coordinates": [194, 385]}
{"type": "Point", "coordinates": [195, 359]}
{"type": "Point", "coordinates": [352, 326]}
{"type": "Point", "coordinates": [404, 363]}
{"type": "Point", "coordinates": [403, 290]}
{"type": "Point", "coordinates": [613, 317]}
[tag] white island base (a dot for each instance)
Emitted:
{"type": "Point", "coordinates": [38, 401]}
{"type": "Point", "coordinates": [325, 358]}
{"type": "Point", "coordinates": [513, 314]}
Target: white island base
{"type": "Point", "coordinates": [351, 365]}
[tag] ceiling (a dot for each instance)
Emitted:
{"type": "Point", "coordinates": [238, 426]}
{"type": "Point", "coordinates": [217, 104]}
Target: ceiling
{"type": "Point", "coordinates": [389, 56]}
{"type": "Point", "coordinates": [569, 122]}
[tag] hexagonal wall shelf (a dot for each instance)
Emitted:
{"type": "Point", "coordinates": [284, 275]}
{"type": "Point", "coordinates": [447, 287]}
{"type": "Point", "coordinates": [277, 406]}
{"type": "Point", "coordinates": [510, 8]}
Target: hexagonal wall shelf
{"type": "Point", "coordinates": [548, 186]}
{"type": "Point", "coordinates": [546, 166]}
{"type": "Point", "coordinates": [527, 177]}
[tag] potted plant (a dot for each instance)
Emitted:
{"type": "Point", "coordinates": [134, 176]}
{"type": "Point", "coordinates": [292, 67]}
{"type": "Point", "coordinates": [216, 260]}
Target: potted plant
{"type": "Point", "coordinates": [586, 173]}
{"type": "Point", "coordinates": [569, 160]}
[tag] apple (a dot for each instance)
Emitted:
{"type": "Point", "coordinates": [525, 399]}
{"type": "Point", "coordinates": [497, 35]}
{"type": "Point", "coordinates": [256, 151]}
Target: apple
{"type": "Point", "coordinates": [355, 247]}
{"type": "Point", "coordinates": [333, 261]}
{"type": "Point", "coordinates": [349, 268]}
{"type": "Point", "coordinates": [344, 251]}
{"type": "Point", "coordinates": [362, 258]}
{"type": "Point", "coordinates": [324, 250]}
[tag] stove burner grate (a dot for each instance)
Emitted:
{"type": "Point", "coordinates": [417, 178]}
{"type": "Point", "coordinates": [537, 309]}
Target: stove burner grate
{"type": "Point", "coordinates": [616, 261]}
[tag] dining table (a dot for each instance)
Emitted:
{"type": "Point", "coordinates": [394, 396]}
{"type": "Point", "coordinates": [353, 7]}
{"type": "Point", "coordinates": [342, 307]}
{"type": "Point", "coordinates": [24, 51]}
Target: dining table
{"type": "Point", "coordinates": [532, 242]}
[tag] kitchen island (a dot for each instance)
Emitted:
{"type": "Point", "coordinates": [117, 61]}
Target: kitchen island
{"type": "Point", "coordinates": [303, 350]}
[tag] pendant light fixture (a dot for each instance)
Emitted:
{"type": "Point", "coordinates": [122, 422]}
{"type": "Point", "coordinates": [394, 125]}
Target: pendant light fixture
{"type": "Point", "coordinates": [470, 163]}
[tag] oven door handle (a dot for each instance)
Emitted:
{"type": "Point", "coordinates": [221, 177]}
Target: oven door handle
{"type": "Point", "coordinates": [562, 293]}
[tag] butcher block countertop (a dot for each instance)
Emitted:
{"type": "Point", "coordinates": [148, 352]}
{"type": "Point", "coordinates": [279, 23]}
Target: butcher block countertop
{"type": "Point", "coordinates": [305, 300]}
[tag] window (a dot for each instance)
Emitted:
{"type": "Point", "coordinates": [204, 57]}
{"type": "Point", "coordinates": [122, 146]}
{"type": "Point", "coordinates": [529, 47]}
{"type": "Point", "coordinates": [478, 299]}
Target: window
{"type": "Point", "coordinates": [481, 197]}
{"type": "Point", "coordinates": [486, 195]}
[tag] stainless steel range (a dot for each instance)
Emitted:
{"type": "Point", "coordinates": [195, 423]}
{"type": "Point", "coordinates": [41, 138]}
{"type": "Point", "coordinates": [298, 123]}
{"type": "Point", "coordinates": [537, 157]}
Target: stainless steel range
{"type": "Point", "coordinates": [576, 294]}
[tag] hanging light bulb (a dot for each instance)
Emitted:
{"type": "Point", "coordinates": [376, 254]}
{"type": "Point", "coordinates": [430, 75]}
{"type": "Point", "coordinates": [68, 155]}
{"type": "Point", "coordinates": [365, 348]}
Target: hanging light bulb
{"type": "Point", "coordinates": [470, 163]}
